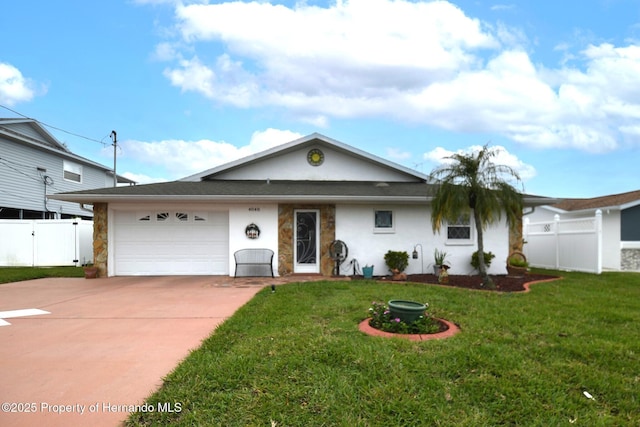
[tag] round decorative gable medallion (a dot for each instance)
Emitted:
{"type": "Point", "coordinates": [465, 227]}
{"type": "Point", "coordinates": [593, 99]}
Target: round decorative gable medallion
{"type": "Point", "coordinates": [315, 157]}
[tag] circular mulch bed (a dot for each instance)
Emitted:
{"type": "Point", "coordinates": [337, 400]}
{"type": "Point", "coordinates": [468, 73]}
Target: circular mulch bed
{"type": "Point", "coordinates": [447, 330]}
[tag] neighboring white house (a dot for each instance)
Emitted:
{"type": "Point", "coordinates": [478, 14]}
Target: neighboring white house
{"type": "Point", "coordinates": [620, 225]}
{"type": "Point", "coordinates": [302, 196]}
{"type": "Point", "coordinates": [34, 165]}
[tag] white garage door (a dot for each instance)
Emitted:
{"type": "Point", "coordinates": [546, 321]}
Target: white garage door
{"type": "Point", "coordinates": [171, 242]}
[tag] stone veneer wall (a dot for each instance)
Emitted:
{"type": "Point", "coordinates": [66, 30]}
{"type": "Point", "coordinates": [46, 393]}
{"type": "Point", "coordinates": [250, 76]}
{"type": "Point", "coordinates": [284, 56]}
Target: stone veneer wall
{"type": "Point", "coordinates": [630, 259]}
{"type": "Point", "coordinates": [516, 240]}
{"type": "Point", "coordinates": [100, 244]}
{"type": "Point", "coordinates": [285, 237]}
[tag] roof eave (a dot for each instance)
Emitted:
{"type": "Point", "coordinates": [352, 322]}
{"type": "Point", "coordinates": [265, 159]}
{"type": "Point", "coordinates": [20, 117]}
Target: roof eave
{"type": "Point", "coordinates": [539, 201]}
{"type": "Point", "coordinates": [94, 198]}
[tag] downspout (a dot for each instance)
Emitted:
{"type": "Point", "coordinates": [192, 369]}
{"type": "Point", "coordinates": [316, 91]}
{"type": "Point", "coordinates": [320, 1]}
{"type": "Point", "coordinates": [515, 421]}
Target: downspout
{"type": "Point", "coordinates": [82, 207]}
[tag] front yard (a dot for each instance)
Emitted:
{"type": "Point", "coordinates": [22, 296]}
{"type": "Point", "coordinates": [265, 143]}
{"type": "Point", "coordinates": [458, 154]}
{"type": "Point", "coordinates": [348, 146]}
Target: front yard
{"type": "Point", "coordinates": [17, 274]}
{"type": "Point", "coordinates": [565, 353]}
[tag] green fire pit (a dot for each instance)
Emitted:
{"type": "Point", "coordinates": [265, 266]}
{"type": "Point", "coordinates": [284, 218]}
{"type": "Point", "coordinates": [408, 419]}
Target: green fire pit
{"type": "Point", "coordinates": [407, 311]}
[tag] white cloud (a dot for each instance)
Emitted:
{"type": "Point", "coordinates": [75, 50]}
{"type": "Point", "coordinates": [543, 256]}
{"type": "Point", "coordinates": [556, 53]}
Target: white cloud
{"type": "Point", "coordinates": [503, 7]}
{"type": "Point", "coordinates": [418, 61]}
{"type": "Point", "coordinates": [439, 156]}
{"type": "Point", "coordinates": [345, 60]}
{"type": "Point", "coordinates": [166, 52]}
{"type": "Point", "coordinates": [14, 87]}
{"type": "Point", "coordinates": [142, 178]}
{"type": "Point", "coordinates": [182, 158]}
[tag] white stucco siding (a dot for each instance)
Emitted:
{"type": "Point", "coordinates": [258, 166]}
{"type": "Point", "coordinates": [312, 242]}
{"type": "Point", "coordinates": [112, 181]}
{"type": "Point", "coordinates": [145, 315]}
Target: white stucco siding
{"type": "Point", "coordinates": [265, 216]}
{"type": "Point", "coordinates": [355, 226]}
{"type": "Point", "coordinates": [337, 166]}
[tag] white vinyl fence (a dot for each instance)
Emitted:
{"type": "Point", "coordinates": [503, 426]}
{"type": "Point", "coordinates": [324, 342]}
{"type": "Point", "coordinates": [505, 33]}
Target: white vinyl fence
{"type": "Point", "coordinates": [46, 242]}
{"type": "Point", "coordinates": [568, 244]}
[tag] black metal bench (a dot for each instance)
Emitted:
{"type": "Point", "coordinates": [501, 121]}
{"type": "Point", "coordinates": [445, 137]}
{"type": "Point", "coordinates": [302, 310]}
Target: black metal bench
{"type": "Point", "coordinates": [253, 262]}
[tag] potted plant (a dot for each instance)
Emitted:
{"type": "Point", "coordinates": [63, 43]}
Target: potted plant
{"type": "Point", "coordinates": [367, 271]}
{"type": "Point", "coordinates": [439, 258]}
{"type": "Point", "coordinates": [397, 261]}
{"type": "Point", "coordinates": [90, 271]}
{"type": "Point", "coordinates": [517, 264]}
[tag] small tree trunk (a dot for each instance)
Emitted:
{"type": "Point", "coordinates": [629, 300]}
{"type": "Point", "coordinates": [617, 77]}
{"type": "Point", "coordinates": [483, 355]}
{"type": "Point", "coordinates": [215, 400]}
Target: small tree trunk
{"type": "Point", "coordinates": [482, 268]}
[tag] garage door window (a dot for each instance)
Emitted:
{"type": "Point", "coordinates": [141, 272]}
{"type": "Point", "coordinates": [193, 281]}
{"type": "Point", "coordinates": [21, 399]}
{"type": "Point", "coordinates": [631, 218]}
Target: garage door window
{"type": "Point", "coordinates": [171, 217]}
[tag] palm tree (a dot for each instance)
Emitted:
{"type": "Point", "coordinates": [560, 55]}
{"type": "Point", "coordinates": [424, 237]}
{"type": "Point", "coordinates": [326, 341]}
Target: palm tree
{"type": "Point", "coordinates": [473, 184]}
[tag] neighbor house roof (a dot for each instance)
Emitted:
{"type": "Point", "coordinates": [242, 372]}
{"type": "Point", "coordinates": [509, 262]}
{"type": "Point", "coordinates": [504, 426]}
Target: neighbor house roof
{"type": "Point", "coordinates": [47, 142]}
{"type": "Point", "coordinates": [620, 201]}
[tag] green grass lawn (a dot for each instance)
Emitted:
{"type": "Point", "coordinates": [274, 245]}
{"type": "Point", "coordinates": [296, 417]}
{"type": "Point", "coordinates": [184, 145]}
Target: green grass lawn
{"type": "Point", "coordinates": [296, 358]}
{"type": "Point", "coordinates": [17, 274]}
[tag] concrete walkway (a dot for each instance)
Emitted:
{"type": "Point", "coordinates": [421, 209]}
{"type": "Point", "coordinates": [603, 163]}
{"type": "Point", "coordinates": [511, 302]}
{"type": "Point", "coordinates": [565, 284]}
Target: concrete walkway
{"type": "Point", "coordinates": [106, 344]}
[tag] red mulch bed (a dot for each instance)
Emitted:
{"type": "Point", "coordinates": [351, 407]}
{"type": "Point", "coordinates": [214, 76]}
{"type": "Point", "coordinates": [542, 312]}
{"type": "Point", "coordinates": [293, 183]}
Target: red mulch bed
{"type": "Point", "coordinates": [503, 283]}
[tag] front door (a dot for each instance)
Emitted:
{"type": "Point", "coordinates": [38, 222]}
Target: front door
{"type": "Point", "coordinates": [307, 241]}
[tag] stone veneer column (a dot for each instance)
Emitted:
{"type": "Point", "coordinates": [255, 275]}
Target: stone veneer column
{"type": "Point", "coordinates": [285, 237]}
{"type": "Point", "coordinates": [100, 244]}
{"type": "Point", "coordinates": [516, 240]}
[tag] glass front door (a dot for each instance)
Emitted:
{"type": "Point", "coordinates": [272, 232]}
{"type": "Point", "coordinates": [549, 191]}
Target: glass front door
{"type": "Point", "coordinates": [307, 242]}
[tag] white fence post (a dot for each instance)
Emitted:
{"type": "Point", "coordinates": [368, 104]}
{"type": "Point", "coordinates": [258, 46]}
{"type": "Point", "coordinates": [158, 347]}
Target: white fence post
{"type": "Point", "coordinates": [556, 239]}
{"type": "Point", "coordinates": [598, 226]}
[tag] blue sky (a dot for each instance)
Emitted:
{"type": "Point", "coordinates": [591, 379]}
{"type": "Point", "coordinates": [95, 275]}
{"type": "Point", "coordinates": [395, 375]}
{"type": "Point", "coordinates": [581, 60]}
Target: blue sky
{"type": "Point", "coordinates": [190, 85]}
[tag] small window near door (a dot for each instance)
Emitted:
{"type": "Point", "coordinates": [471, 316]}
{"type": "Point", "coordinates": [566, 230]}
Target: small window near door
{"type": "Point", "coordinates": [72, 171]}
{"type": "Point", "coordinates": [383, 221]}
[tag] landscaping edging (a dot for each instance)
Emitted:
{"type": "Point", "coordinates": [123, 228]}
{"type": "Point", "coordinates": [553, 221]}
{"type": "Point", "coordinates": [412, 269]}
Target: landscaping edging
{"type": "Point", "coordinates": [535, 282]}
{"type": "Point", "coordinates": [369, 330]}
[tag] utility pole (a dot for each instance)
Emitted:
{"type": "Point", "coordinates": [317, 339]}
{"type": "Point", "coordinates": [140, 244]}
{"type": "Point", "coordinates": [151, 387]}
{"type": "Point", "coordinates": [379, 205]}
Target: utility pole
{"type": "Point", "coordinates": [114, 137]}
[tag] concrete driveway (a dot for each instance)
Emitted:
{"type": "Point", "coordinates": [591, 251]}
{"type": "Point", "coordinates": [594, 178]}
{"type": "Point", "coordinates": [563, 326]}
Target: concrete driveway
{"type": "Point", "coordinates": [106, 344]}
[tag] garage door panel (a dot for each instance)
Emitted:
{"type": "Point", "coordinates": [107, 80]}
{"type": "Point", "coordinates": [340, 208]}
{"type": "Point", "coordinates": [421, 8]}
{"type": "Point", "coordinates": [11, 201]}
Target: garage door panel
{"type": "Point", "coordinates": [166, 242]}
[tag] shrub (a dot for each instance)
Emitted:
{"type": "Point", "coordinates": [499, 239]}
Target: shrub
{"type": "Point", "coordinates": [397, 260]}
{"type": "Point", "coordinates": [488, 257]}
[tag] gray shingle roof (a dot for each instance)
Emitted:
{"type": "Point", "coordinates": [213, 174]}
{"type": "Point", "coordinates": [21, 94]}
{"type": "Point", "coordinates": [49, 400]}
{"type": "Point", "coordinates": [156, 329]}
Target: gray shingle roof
{"type": "Point", "coordinates": [267, 190]}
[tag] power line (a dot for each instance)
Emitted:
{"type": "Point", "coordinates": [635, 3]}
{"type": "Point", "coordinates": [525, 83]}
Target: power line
{"type": "Point", "coordinates": [55, 127]}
